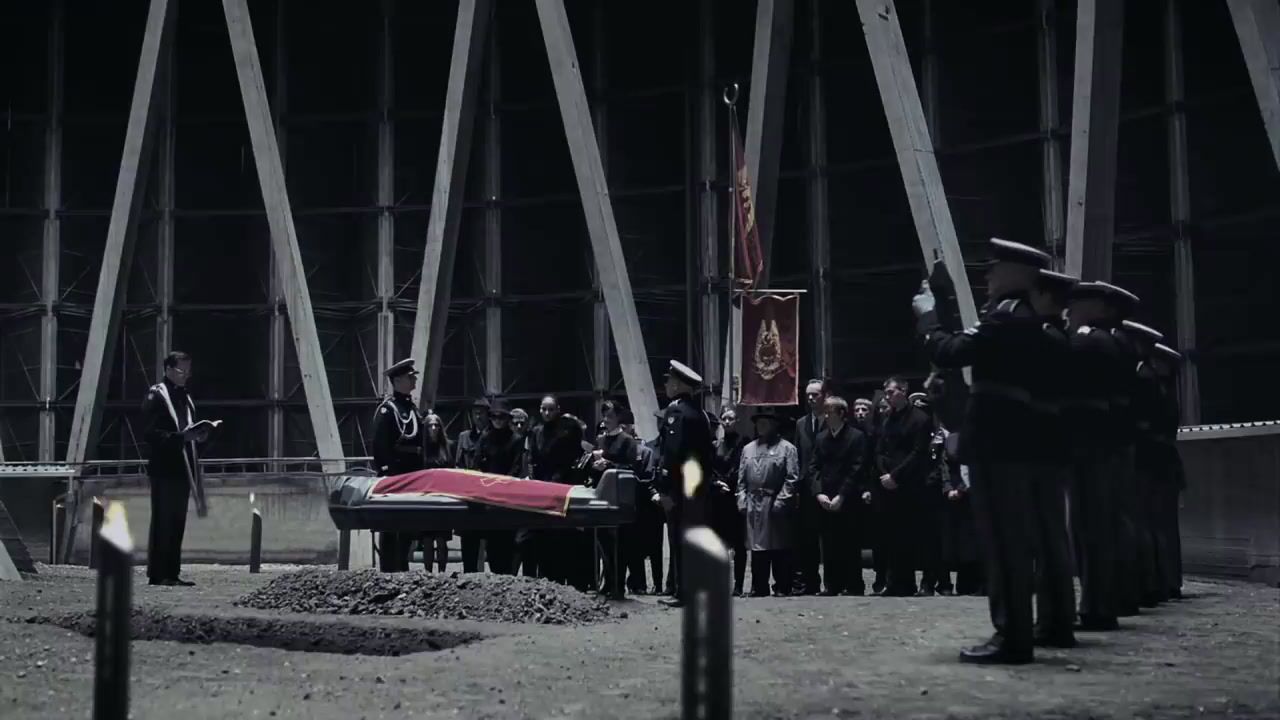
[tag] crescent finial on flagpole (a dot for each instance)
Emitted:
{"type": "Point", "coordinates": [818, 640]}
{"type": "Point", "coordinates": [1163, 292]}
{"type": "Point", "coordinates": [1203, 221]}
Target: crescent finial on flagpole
{"type": "Point", "coordinates": [731, 94]}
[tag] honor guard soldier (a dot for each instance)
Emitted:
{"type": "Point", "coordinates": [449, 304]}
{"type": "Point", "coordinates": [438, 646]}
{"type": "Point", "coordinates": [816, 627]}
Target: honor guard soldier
{"type": "Point", "coordinates": [398, 447]}
{"type": "Point", "coordinates": [1001, 439]}
{"type": "Point", "coordinates": [1170, 480]}
{"type": "Point", "coordinates": [683, 434]}
{"type": "Point", "coordinates": [1099, 366]}
{"type": "Point", "coordinates": [1145, 400]}
{"type": "Point", "coordinates": [1055, 588]}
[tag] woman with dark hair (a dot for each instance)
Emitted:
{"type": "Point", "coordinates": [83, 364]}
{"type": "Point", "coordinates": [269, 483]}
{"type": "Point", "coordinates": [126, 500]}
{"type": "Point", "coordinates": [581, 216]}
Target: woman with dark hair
{"type": "Point", "coordinates": [726, 519]}
{"type": "Point", "coordinates": [437, 453]}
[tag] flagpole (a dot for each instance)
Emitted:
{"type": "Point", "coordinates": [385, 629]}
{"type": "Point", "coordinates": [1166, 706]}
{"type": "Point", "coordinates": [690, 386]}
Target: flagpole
{"type": "Point", "coordinates": [727, 399]}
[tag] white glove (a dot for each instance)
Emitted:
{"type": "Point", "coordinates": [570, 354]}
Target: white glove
{"type": "Point", "coordinates": [924, 301]}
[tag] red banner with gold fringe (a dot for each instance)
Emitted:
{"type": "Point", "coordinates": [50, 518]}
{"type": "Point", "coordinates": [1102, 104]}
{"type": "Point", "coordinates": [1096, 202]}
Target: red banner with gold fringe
{"type": "Point", "coordinates": [770, 348]}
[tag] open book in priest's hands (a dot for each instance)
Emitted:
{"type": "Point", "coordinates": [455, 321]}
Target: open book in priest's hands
{"type": "Point", "coordinates": [201, 427]}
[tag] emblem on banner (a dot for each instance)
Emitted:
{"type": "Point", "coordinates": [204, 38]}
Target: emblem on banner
{"type": "Point", "coordinates": [768, 355]}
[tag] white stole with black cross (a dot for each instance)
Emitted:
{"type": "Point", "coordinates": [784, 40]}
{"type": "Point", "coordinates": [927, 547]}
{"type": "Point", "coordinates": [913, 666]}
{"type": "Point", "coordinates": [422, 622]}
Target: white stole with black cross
{"type": "Point", "coordinates": [192, 460]}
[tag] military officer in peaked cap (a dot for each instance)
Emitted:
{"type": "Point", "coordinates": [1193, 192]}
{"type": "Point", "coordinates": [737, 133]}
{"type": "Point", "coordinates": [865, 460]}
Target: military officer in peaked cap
{"type": "Point", "coordinates": [1165, 361]}
{"type": "Point", "coordinates": [683, 434]}
{"type": "Point", "coordinates": [1150, 411]}
{"type": "Point", "coordinates": [398, 447]}
{"type": "Point", "coordinates": [1103, 452]}
{"type": "Point", "coordinates": [1001, 437]}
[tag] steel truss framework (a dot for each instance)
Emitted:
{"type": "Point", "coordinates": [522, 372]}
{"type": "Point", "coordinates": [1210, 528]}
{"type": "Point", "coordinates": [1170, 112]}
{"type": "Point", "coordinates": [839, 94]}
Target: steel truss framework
{"type": "Point", "coordinates": [356, 136]}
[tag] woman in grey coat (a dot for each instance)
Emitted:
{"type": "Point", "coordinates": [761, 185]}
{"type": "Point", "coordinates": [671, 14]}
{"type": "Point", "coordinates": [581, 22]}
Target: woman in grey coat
{"type": "Point", "coordinates": [767, 477]}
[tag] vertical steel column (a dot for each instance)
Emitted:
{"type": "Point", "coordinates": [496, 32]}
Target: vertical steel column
{"type": "Point", "coordinates": [1180, 211]}
{"type": "Point", "coordinates": [277, 319]}
{"type": "Point", "coordinates": [600, 120]}
{"type": "Point", "coordinates": [819, 226]}
{"type": "Point", "coordinates": [165, 200]}
{"type": "Point", "coordinates": [493, 352]}
{"type": "Point", "coordinates": [386, 278]}
{"type": "Point", "coordinates": [601, 225]}
{"type": "Point", "coordinates": [1095, 125]}
{"type": "Point", "coordinates": [284, 237]}
{"type": "Point", "coordinates": [1050, 144]}
{"type": "Point", "coordinates": [905, 115]}
{"type": "Point", "coordinates": [1257, 25]}
{"type": "Point", "coordinates": [52, 246]}
{"type": "Point", "coordinates": [436, 284]}
{"type": "Point", "coordinates": [766, 111]}
{"type": "Point", "coordinates": [708, 211]}
{"type": "Point", "coordinates": [929, 74]}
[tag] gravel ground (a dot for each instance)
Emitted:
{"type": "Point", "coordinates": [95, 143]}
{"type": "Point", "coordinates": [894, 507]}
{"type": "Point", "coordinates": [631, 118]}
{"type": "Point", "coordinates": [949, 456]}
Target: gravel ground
{"type": "Point", "coordinates": [1216, 654]}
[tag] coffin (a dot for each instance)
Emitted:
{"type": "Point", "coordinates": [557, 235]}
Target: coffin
{"type": "Point", "coordinates": [463, 500]}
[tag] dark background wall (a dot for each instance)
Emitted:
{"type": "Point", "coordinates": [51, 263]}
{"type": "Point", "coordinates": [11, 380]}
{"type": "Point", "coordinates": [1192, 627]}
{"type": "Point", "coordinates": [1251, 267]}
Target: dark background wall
{"type": "Point", "coordinates": [988, 133]}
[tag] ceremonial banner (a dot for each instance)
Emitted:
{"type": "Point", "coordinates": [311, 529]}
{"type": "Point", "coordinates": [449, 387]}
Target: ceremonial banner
{"type": "Point", "coordinates": [770, 348]}
{"type": "Point", "coordinates": [486, 488]}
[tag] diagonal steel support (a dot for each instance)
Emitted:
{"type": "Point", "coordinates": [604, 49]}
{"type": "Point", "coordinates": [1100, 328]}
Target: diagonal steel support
{"type": "Point", "coordinates": [1180, 213]}
{"type": "Point", "coordinates": [117, 255]}
{"type": "Point", "coordinates": [601, 226]}
{"type": "Point", "coordinates": [1095, 126]}
{"type": "Point", "coordinates": [284, 237]}
{"type": "Point", "coordinates": [52, 240]}
{"type": "Point", "coordinates": [914, 148]}
{"type": "Point", "coordinates": [435, 288]}
{"type": "Point", "coordinates": [1258, 27]}
{"type": "Point", "coordinates": [770, 61]}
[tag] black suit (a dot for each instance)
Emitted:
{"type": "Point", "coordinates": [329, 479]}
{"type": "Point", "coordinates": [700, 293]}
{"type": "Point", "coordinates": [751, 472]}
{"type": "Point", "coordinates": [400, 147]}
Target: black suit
{"type": "Point", "coordinates": [809, 521]}
{"type": "Point", "coordinates": [835, 469]}
{"type": "Point", "coordinates": [902, 452]}
{"type": "Point", "coordinates": [564, 556]}
{"type": "Point", "coordinates": [168, 468]}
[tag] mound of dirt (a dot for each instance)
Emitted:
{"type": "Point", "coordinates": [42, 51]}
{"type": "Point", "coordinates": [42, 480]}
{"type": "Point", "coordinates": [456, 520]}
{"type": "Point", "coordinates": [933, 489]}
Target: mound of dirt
{"type": "Point", "coordinates": [148, 623]}
{"type": "Point", "coordinates": [484, 597]}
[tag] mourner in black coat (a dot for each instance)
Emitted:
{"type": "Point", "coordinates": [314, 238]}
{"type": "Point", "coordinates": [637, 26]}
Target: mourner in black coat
{"type": "Point", "coordinates": [809, 514]}
{"type": "Point", "coordinates": [554, 449]}
{"type": "Point", "coordinates": [901, 475]}
{"type": "Point", "coordinates": [837, 482]}
{"type": "Point", "coordinates": [499, 451]}
{"type": "Point", "coordinates": [726, 519]}
{"type": "Point", "coordinates": [437, 452]}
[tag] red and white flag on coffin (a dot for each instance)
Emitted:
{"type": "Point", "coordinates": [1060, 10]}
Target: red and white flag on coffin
{"type": "Point", "coordinates": [770, 348]}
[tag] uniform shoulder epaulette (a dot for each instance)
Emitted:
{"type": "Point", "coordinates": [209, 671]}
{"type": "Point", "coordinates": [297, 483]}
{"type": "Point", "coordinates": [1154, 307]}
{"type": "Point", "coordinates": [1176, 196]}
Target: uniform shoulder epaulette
{"type": "Point", "coordinates": [1008, 305]}
{"type": "Point", "coordinates": [1084, 330]}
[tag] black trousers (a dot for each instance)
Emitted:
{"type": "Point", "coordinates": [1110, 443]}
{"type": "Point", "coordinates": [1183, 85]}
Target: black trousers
{"type": "Point", "coordinates": [527, 553]}
{"type": "Point", "coordinates": [566, 556]}
{"type": "Point", "coordinates": [1055, 589]}
{"type": "Point", "coordinates": [499, 550]}
{"type": "Point", "coordinates": [471, 540]}
{"type": "Point", "coordinates": [840, 534]}
{"type": "Point", "coordinates": [649, 527]}
{"type": "Point", "coordinates": [1128, 564]}
{"type": "Point", "coordinates": [777, 561]}
{"type": "Point", "coordinates": [933, 572]}
{"type": "Point", "coordinates": [394, 550]}
{"type": "Point", "coordinates": [808, 553]}
{"type": "Point", "coordinates": [1154, 588]}
{"type": "Point", "coordinates": [675, 538]}
{"type": "Point", "coordinates": [901, 535]}
{"type": "Point", "coordinates": [1095, 527]}
{"type": "Point", "coordinates": [1002, 501]}
{"type": "Point", "coordinates": [169, 496]}
{"type": "Point", "coordinates": [1168, 535]}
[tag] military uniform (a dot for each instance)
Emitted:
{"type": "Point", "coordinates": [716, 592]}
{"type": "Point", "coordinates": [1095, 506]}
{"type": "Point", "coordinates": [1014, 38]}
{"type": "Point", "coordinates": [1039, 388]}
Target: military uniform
{"type": "Point", "coordinates": [1002, 441]}
{"type": "Point", "coordinates": [1169, 480]}
{"type": "Point", "coordinates": [398, 447]}
{"type": "Point", "coordinates": [683, 434]}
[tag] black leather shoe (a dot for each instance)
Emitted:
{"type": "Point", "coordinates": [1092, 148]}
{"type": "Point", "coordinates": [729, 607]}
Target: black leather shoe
{"type": "Point", "coordinates": [163, 583]}
{"type": "Point", "coordinates": [1088, 623]}
{"type": "Point", "coordinates": [181, 583]}
{"type": "Point", "coordinates": [924, 592]}
{"type": "Point", "coordinates": [991, 653]}
{"type": "Point", "coordinates": [672, 602]}
{"type": "Point", "coordinates": [829, 593]}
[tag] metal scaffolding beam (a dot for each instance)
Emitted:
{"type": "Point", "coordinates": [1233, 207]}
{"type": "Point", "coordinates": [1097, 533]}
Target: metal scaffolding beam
{"type": "Point", "coordinates": [277, 321]}
{"type": "Point", "coordinates": [770, 61]}
{"type": "Point", "coordinates": [1184, 296]}
{"type": "Point", "coordinates": [708, 214]}
{"type": "Point", "coordinates": [436, 282]}
{"type": "Point", "coordinates": [1258, 27]}
{"type": "Point", "coordinates": [117, 255]}
{"type": "Point", "coordinates": [284, 238]}
{"type": "Point", "coordinates": [914, 149]}
{"type": "Point", "coordinates": [819, 224]}
{"type": "Point", "coordinates": [493, 350]}
{"type": "Point", "coordinates": [1050, 118]}
{"type": "Point", "coordinates": [929, 74]}
{"type": "Point", "coordinates": [386, 278]}
{"type": "Point", "coordinates": [601, 226]}
{"type": "Point", "coordinates": [600, 365]}
{"type": "Point", "coordinates": [1095, 125]}
{"type": "Point", "coordinates": [52, 239]}
{"type": "Point", "coordinates": [165, 202]}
